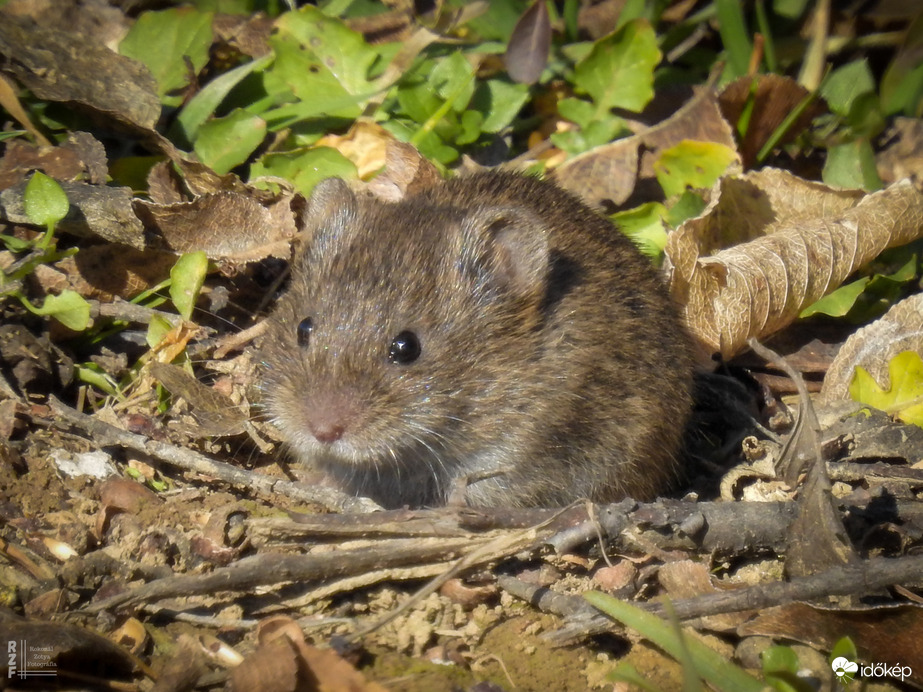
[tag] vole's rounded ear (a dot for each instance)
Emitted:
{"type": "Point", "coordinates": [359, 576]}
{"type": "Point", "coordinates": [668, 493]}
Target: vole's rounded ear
{"type": "Point", "coordinates": [330, 211]}
{"type": "Point", "coordinates": [331, 202]}
{"type": "Point", "coordinates": [509, 248]}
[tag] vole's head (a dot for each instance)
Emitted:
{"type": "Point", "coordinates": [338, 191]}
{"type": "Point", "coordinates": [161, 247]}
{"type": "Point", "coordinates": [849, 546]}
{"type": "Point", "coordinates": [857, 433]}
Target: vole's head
{"type": "Point", "coordinates": [406, 329]}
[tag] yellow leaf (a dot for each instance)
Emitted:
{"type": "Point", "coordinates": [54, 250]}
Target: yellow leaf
{"type": "Point", "coordinates": [905, 396]}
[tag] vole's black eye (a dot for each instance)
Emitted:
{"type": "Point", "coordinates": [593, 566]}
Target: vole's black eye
{"type": "Point", "coordinates": [303, 331]}
{"type": "Point", "coordinates": [405, 348]}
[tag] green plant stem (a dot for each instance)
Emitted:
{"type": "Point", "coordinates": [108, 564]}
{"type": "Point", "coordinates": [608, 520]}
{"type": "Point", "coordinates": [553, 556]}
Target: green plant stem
{"type": "Point", "coordinates": [442, 111]}
{"type": "Point", "coordinates": [780, 131]}
{"type": "Point", "coordinates": [769, 49]}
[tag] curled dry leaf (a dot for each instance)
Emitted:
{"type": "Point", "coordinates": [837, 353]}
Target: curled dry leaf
{"type": "Point", "coordinates": [285, 662]}
{"type": "Point", "coordinates": [803, 238]}
{"type": "Point", "coordinates": [406, 173]}
{"type": "Point", "coordinates": [105, 271]}
{"type": "Point", "coordinates": [873, 347]}
{"type": "Point", "coordinates": [768, 103]}
{"type": "Point", "coordinates": [81, 156]}
{"type": "Point", "coordinates": [193, 208]}
{"type": "Point", "coordinates": [607, 176]}
{"type": "Point", "coordinates": [227, 226]}
{"type": "Point", "coordinates": [95, 210]}
{"type": "Point", "coordinates": [73, 68]}
{"type": "Point", "coordinates": [365, 145]}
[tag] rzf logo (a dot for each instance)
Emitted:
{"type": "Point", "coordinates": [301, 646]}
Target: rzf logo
{"type": "Point", "coordinates": [11, 660]}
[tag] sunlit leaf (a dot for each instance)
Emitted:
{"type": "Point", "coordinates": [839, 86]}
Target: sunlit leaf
{"type": "Point", "coordinates": [169, 42]}
{"type": "Point", "coordinates": [692, 164]}
{"type": "Point", "coordinates": [187, 277]}
{"type": "Point", "coordinates": [904, 398]}
{"type": "Point", "coordinates": [69, 308]}
{"type": "Point", "coordinates": [44, 201]}
{"type": "Point", "coordinates": [224, 143]}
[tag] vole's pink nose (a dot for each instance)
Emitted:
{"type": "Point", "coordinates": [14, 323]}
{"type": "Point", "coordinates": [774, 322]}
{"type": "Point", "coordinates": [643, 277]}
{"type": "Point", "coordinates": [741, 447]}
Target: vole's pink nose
{"type": "Point", "coordinates": [329, 416]}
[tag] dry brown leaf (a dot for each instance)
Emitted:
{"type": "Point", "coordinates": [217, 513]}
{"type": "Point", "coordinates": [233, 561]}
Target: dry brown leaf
{"type": "Point", "coordinates": [82, 156]}
{"type": "Point", "coordinates": [284, 662]}
{"type": "Point", "coordinates": [216, 412]}
{"type": "Point", "coordinates": [227, 226]}
{"type": "Point", "coordinates": [247, 34]}
{"type": "Point", "coordinates": [607, 176]}
{"type": "Point", "coordinates": [770, 103]}
{"type": "Point", "coordinates": [406, 173]}
{"type": "Point", "coordinates": [872, 347]}
{"type": "Point", "coordinates": [103, 21]}
{"type": "Point", "coordinates": [903, 155]}
{"type": "Point", "coordinates": [106, 271]}
{"type": "Point", "coordinates": [884, 634]}
{"type": "Point", "coordinates": [72, 68]}
{"type": "Point", "coordinates": [364, 144]}
{"type": "Point", "coordinates": [95, 210]}
{"type": "Point", "coordinates": [804, 240]}
{"type": "Point", "coordinates": [527, 51]}
{"type": "Point", "coordinates": [686, 579]}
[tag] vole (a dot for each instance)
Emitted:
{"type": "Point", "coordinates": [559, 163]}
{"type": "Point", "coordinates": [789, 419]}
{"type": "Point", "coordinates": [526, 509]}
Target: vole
{"type": "Point", "coordinates": [490, 326]}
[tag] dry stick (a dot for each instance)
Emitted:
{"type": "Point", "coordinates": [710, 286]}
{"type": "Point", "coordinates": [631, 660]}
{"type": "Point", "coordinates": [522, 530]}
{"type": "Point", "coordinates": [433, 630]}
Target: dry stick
{"type": "Point", "coordinates": [276, 568]}
{"type": "Point", "coordinates": [844, 580]}
{"type": "Point", "coordinates": [104, 434]}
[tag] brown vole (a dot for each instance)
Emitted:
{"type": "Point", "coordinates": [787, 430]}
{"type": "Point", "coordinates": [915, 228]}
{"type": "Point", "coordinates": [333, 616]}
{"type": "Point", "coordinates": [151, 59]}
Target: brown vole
{"type": "Point", "coordinates": [493, 323]}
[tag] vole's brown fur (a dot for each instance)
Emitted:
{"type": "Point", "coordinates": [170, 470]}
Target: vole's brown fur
{"type": "Point", "coordinates": [550, 351]}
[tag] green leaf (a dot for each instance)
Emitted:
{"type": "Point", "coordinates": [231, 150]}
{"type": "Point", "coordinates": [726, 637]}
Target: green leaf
{"type": "Point", "coordinates": [306, 169]}
{"type": "Point", "coordinates": [839, 302]}
{"type": "Point", "coordinates": [577, 111]}
{"type": "Point", "coordinates": [452, 79]}
{"type": "Point", "coordinates": [709, 664]}
{"type": "Point", "coordinates": [186, 279]}
{"type": "Point", "coordinates": [688, 206]}
{"type": "Point", "coordinates": [14, 244]}
{"type": "Point", "coordinates": [905, 396]}
{"type": "Point", "coordinates": [500, 101]}
{"type": "Point", "coordinates": [44, 200]}
{"type": "Point", "coordinates": [734, 35]}
{"type": "Point", "coordinates": [847, 83]}
{"type": "Point", "coordinates": [644, 225]}
{"type": "Point", "coordinates": [868, 297]}
{"type": "Point", "coordinates": [779, 658]}
{"type": "Point", "coordinates": [619, 70]}
{"type": "Point", "coordinates": [297, 72]}
{"type": "Point", "coordinates": [852, 165]}
{"type": "Point", "coordinates": [844, 648]}
{"type": "Point", "coordinates": [203, 105]}
{"type": "Point", "coordinates": [224, 143]}
{"type": "Point", "coordinates": [93, 375]}
{"type": "Point", "coordinates": [625, 672]}
{"type": "Point", "coordinates": [692, 164]}
{"type": "Point", "coordinates": [165, 41]}
{"type": "Point", "coordinates": [340, 51]}
{"type": "Point", "coordinates": [902, 82]}
{"type": "Point", "coordinates": [157, 329]}
{"type": "Point", "coordinates": [69, 308]}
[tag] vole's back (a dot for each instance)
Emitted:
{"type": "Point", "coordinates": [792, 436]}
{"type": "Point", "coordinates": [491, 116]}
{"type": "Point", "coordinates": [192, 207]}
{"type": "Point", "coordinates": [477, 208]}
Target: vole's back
{"type": "Point", "coordinates": [492, 324]}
